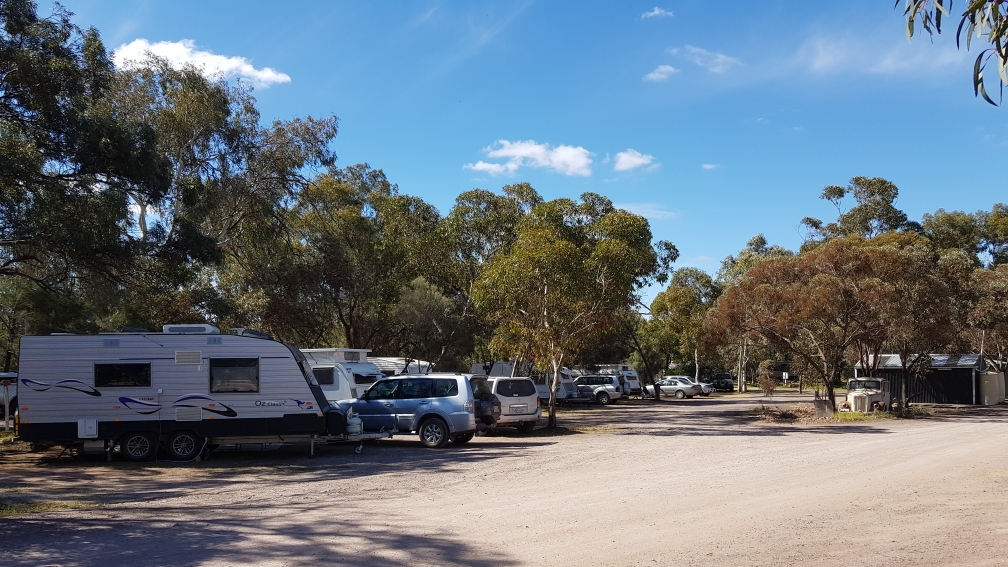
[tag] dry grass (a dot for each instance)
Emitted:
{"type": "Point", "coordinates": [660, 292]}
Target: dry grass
{"type": "Point", "coordinates": [850, 416]}
{"type": "Point", "coordinates": [777, 414]}
{"type": "Point", "coordinates": [26, 508]}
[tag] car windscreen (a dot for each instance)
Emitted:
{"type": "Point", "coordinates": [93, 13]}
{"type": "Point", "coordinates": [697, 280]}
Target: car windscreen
{"type": "Point", "coordinates": [511, 388]}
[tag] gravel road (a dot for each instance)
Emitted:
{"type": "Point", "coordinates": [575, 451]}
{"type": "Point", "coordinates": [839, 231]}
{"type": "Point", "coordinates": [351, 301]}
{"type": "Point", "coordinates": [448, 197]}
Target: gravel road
{"type": "Point", "coordinates": [686, 482]}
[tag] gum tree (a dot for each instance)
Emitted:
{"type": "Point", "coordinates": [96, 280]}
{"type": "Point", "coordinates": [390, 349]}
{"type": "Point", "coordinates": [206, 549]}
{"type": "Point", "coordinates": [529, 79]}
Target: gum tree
{"type": "Point", "coordinates": [572, 268]}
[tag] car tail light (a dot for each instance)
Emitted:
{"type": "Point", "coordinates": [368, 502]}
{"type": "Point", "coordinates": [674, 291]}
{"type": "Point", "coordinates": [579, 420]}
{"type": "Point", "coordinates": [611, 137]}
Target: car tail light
{"type": "Point", "coordinates": [468, 405]}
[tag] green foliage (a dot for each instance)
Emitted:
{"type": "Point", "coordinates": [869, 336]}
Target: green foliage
{"type": "Point", "coordinates": [572, 267]}
{"type": "Point", "coordinates": [985, 20]}
{"type": "Point", "coordinates": [872, 215]}
{"type": "Point", "coordinates": [65, 170]}
{"type": "Point", "coordinates": [983, 234]}
{"type": "Point", "coordinates": [734, 267]}
{"type": "Point", "coordinates": [677, 315]}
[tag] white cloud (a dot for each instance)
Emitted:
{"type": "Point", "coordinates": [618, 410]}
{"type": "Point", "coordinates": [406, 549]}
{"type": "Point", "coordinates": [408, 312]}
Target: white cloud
{"type": "Point", "coordinates": [661, 73]}
{"type": "Point", "coordinates": [657, 13]}
{"type": "Point", "coordinates": [179, 53]}
{"type": "Point", "coordinates": [631, 159]}
{"type": "Point", "coordinates": [710, 60]}
{"type": "Point", "coordinates": [827, 55]}
{"type": "Point", "coordinates": [711, 165]}
{"type": "Point", "coordinates": [568, 160]}
{"type": "Point", "coordinates": [650, 211]}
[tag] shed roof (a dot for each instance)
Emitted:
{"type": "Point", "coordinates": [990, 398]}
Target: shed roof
{"type": "Point", "coordinates": [892, 361]}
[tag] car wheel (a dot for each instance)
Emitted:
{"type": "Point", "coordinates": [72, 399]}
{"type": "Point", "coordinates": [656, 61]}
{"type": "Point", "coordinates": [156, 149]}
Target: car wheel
{"type": "Point", "coordinates": [526, 427]}
{"type": "Point", "coordinates": [138, 447]}
{"type": "Point", "coordinates": [184, 446]}
{"type": "Point", "coordinates": [603, 398]}
{"type": "Point", "coordinates": [679, 394]}
{"type": "Point", "coordinates": [434, 433]}
{"type": "Point", "coordinates": [464, 438]}
{"type": "Point", "coordinates": [690, 397]}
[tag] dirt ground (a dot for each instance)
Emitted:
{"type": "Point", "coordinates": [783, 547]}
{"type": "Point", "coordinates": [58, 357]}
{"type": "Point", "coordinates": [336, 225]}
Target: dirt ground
{"type": "Point", "coordinates": [686, 482]}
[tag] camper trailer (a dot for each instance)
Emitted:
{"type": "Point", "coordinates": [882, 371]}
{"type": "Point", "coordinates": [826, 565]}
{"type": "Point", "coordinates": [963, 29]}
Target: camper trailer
{"type": "Point", "coordinates": [342, 373]}
{"type": "Point", "coordinates": [186, 388]}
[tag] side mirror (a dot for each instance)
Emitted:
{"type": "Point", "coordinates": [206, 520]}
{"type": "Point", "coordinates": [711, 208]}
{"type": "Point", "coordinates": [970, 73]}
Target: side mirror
{"type": "Point", "coordinates": [364, 396]}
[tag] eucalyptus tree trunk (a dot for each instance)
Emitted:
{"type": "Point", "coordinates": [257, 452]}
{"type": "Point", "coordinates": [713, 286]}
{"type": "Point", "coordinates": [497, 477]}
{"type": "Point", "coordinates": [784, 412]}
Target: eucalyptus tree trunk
{"type": "Point", "coordinates": [696, 365]}
{"type": "Point", "coordinates": [551, 422]}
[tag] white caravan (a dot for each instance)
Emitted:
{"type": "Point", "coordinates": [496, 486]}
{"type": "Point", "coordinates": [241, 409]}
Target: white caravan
{"type": "Point", "coordinates": [185, 388]}
{"type": "Point", "coordinates": [342, 373]}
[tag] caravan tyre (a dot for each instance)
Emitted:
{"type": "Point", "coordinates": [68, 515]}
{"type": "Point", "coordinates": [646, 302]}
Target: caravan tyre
{"type": "Point", "coordinates": [138, 447]}
{"type": "Point", "coordinates": [184, 446]}
{"type": "Point", "coordinates": [434, 433]}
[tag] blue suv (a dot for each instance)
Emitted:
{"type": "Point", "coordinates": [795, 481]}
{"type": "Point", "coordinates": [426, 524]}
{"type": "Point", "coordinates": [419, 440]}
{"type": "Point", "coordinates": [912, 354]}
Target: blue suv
{"type": "Point", "coordinates": [437, 407]}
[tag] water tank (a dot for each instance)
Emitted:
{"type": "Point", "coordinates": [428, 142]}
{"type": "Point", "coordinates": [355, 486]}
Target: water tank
{"type": "Point", "coordinates": [991, 388]}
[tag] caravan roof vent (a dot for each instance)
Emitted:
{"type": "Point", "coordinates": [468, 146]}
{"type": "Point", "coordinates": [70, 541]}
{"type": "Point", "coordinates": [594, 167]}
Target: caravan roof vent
{"type": "Point", "coordinates": [190, 329]}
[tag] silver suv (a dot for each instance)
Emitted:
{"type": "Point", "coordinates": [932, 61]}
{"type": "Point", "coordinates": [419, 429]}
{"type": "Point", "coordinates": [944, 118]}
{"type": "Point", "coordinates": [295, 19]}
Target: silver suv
{"type": "Point", "coordinates": [605, 388]}
{"type": "Point", "coordinates": [437, 407]}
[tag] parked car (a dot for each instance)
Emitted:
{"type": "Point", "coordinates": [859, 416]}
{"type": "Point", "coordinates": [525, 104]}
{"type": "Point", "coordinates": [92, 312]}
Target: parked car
{"type": "Point", "coordinates": [723, 383]}
{"type": "Point", "coordinates": [520, 405]}
{"type": "Point", "coordinates": [675, 386]}
{"type": "Point", "coordinates": [630, 383]}
{"type": "Point", "coordinates": [437, 407]}
{"type": "Point", "coordinates": [605, 389]}
{"type": "Point", "coordinates": [706, 388]}
{"type": "Point", "coordinates": [586, 394]}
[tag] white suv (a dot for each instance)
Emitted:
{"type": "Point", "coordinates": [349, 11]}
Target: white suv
{"type": "Point", "coordinates": [520, 406]}
{"type": "Point", "coordinates": [606, 388]}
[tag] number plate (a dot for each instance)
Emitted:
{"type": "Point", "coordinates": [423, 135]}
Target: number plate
{"type": "Point", "coordinates": [523, 408]}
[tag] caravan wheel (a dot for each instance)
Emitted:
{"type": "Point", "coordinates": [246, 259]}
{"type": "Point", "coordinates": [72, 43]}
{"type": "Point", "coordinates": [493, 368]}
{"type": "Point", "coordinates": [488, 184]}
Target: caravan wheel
{"type": "Point", "coordinates": [138, 447]}
{"type": "Point", "coordinates": [184, 446]}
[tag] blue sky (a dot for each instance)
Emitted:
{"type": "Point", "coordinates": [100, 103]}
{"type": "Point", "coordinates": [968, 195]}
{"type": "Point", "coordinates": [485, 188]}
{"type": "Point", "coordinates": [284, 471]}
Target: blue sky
{"type": "Point", "coordinates": [737, 115]}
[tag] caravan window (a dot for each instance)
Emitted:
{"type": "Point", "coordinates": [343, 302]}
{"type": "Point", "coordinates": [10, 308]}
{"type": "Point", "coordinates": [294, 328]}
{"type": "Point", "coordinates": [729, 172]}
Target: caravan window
{"type": "Point", "coordinates": [362, 379]}
{"type": "Point", "coordinates": [234, 375]}
{"type": "Point", "coordinates": [325, 376]}
{"type": "Point", "coordinates": [122, 375]}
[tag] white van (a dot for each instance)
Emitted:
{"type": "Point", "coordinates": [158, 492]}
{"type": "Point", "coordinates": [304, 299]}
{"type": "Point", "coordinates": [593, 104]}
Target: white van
{"type": "Point", "coordinates": [520, 404]}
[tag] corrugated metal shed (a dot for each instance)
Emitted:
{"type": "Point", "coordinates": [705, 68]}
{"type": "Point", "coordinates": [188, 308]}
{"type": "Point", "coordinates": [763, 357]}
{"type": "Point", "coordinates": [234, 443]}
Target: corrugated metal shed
{"type": "Point", "coordinates": [951, 378]}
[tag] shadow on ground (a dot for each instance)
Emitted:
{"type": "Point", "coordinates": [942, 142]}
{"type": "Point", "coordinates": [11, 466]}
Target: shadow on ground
{"type": "Point", "coordinates": [288, 535]}
{"type": "Point", "coordinates": [33, 477]}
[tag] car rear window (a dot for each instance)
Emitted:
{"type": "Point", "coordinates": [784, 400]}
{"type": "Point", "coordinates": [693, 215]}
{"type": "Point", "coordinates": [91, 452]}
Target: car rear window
{"type": "Point", "coordinates": [480, 386]}
{"type": "Point", "coordinates": [510, 387]}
